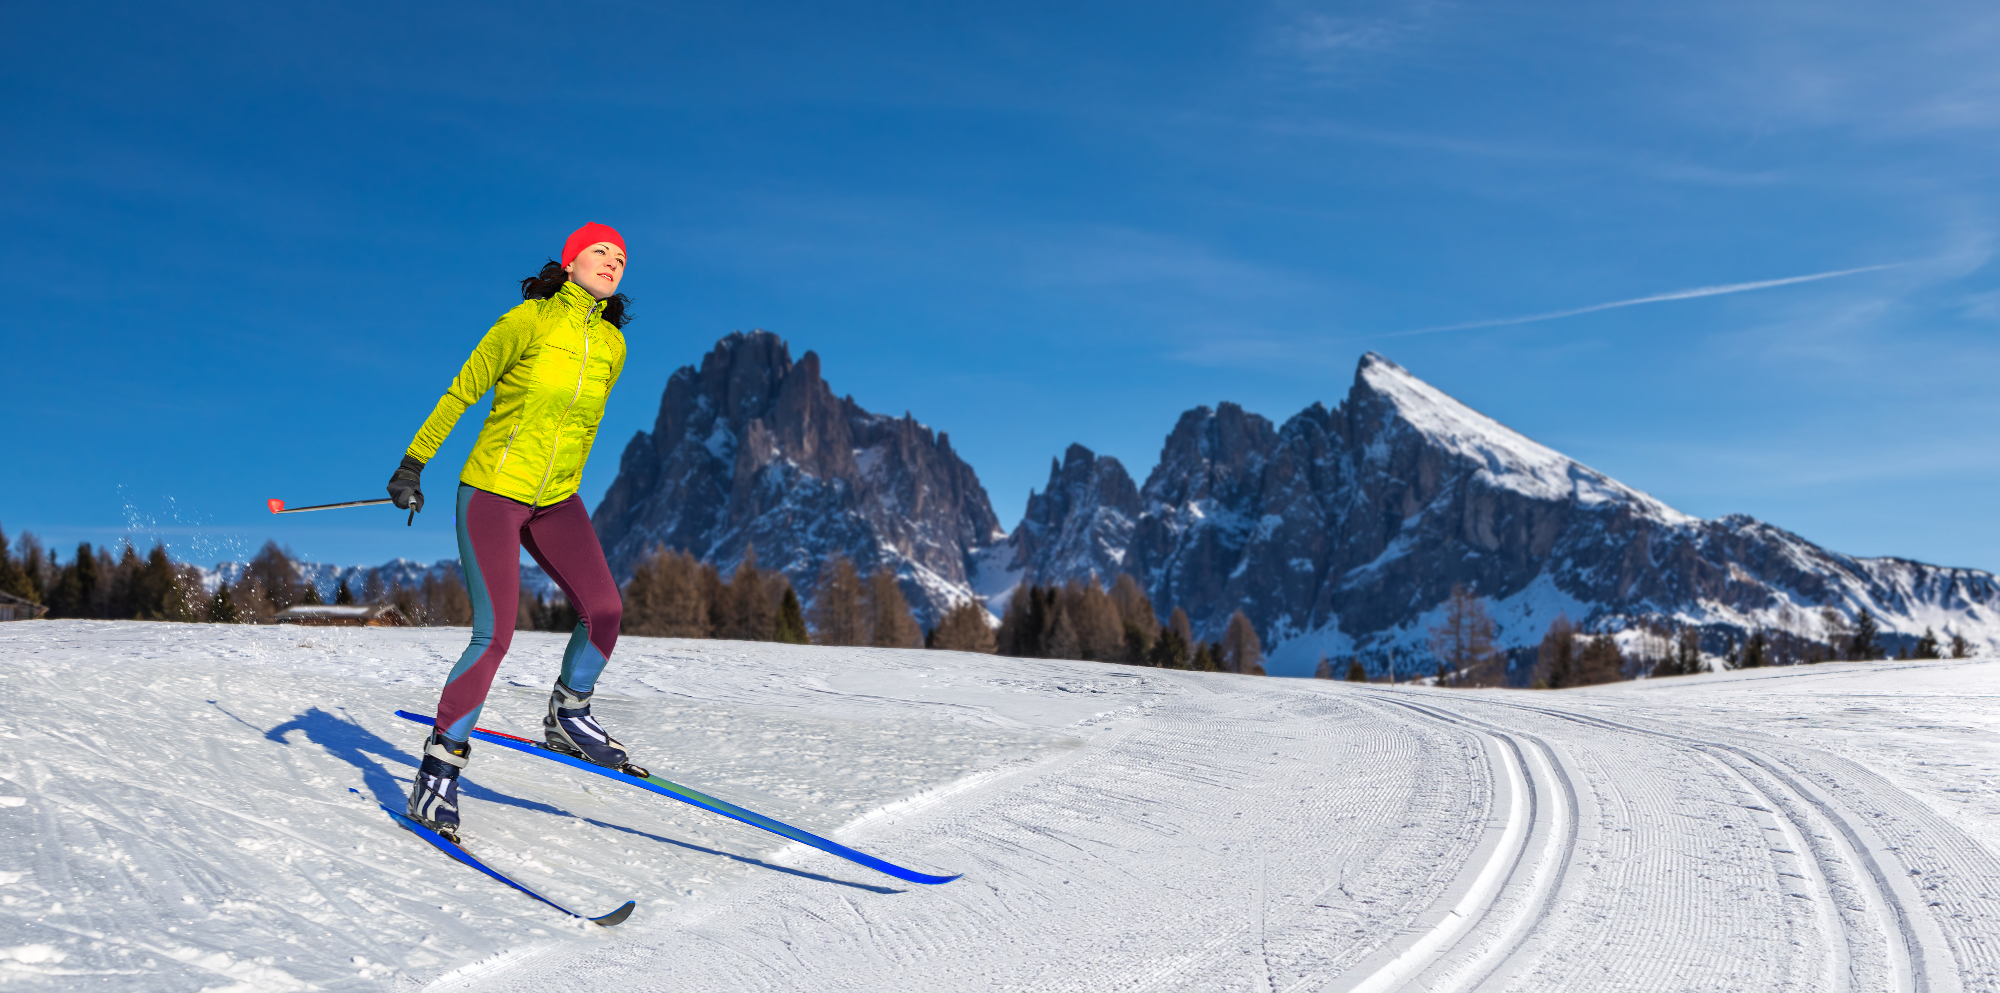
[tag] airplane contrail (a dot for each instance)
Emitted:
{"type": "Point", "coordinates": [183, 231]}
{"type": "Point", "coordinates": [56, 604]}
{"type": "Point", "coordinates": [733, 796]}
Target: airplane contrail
{"type": "Point", "coordinates": [1699, 291]}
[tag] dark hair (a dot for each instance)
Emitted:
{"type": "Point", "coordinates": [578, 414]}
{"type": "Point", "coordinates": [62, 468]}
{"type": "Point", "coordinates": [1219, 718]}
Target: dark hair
{"type": "Point", "coordinates": [544, 284]}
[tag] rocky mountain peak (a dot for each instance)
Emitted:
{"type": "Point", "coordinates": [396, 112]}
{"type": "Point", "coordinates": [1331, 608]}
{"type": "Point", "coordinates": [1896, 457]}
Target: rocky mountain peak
{"type": "Point", "coordinates": [1387, 398]}
{"type": "Point", "coordinates": [1080, 523]}
{"type": "Point", "coordinates": [752, 449]}
{"type": "Point", "coordinates": [1343, 531]}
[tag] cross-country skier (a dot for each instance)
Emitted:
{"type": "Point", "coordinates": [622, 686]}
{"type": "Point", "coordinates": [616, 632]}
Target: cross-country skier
{"type": "Point", "coordinates": [551, 363]}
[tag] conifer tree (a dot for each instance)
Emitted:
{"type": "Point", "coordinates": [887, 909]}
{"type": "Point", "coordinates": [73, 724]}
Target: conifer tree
{"type": "Point", "coordinates": [32, 565]}
{"type": "Point", "coordinates": [1356, 673]}
{"type": "Point", "coordinates": [1927, 646]}
{"type": "Point", "coordinates": [1061, 641]}
{"type": "Point", "coordinates": [1960, 648]}
{"type": "Point", "coordinates": [1687, 652]}
{"type": "Point", "coordinates": [222, 609]}
{"type": "Point", "coordinates": [791, 623]}
{"type": "Point", "coordinates": [12, 577]}
{"type": "Point", "coordinates": [1209, 657]}
{"type": "Point", "coordinates": [76, 586]}
{"type": "Point", "coordinates": [1170, 650]}
{"type": "Point", "coordinates": [1753, 651]}
{"type": "Point", "coordinates": [1241, 651]}
{"type": "Point", "coordinates": [1556, 664]}
{"type": "Point", "coordinates": [838, 615]}
{"type": "Point", "coordinates": [151, 589]}
{"type": "Point", "coordinates": [890, 622]}
{"type": "Point", "coordinates": [1015, 635]}
{"type": "Point", "coordinates": [345, 597]}
{"type": "Point", "coordinates": [1324, 670]}
{"type": "Point", "coordinates": [119, 583]}
{"type": "Point", "coordinates": [309, 594]}
{"type": "Point", "coordinates": [1864, 646]}
{"type": "Point", "coordinates": [965, 628]}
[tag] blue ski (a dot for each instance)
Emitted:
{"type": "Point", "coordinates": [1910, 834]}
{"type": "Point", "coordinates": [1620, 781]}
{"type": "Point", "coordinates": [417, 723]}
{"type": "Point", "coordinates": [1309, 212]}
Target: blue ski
{"type": "Point", "coordinates": [657, 785]}
{"type": "Point", "coordinates": [445, 845]}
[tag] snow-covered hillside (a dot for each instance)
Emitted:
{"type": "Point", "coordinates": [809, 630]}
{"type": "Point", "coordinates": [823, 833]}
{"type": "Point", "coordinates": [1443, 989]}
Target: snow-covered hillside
{"type": "Point", "coordinates": [176, 814]}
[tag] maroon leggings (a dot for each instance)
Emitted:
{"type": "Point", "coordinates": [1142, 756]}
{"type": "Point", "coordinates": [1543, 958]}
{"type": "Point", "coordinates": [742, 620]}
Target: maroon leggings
{"type": "Point", "coordinates": [492, 530]}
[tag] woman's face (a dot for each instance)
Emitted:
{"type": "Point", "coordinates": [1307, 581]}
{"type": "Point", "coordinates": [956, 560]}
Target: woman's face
{"type": "Point", "coordinates": [596, 269]}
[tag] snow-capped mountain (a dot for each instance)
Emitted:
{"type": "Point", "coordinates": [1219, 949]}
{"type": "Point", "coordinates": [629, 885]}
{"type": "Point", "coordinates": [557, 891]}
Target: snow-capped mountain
{"type": "Point", "coordinates": [754, 450]}
{"type": "Point", "coordinates": [1344, 530]}
{"type": "Point", "coordinates": [406, 573]}
{"type": "Point", "coordinates": [1081, 523]}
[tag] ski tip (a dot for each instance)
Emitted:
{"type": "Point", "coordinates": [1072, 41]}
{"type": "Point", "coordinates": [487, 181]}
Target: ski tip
{"type": "Point", "coordinates": [930, 880]}
{"type": "Point", "coordinates": [615, 917]}
{"type": "Point", "coordinates": [277, 506]}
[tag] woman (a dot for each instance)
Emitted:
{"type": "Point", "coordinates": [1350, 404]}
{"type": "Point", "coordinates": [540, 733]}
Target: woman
{"type": "Point", "coordinates": [551, 363]}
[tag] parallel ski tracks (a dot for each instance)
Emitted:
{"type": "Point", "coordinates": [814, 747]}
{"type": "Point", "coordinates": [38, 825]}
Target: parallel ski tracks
{"type": "Point", "coordinates": [1868, 914]}
{"type": "Point", "coordinates": [1512, 889]}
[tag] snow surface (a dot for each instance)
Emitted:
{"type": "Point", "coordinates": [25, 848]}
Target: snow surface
{"type": "Point", "coordinates": [175, 815]}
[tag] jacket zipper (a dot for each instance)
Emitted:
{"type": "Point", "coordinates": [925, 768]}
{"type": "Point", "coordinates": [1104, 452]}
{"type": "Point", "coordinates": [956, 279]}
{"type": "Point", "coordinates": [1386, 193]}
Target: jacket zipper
{"type": "Point", "coordinates": [504, 452]}
{"type": "Point", "coordinates": [582, 368]}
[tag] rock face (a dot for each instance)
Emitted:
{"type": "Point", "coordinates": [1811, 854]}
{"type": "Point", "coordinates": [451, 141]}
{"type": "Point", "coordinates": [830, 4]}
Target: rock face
{"type": "Point", "coordinates": [1343, 531]}
{"type": "Point", "coordinates": [1081, 524]}
{"type": "Point", "coordinates": [753, 449]}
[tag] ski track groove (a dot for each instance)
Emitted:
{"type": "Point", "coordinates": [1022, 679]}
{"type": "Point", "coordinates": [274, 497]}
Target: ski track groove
{"type": "Point", "coordinates": [1666, 963]}
{"type": "Point", "coordinates": [1535, 868]}
{"type": "Point", "coordinates": [1887, 938]}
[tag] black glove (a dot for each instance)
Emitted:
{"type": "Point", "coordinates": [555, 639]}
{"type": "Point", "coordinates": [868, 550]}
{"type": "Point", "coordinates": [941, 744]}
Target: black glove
{"type": "Point", "coordinates": [405, 487]}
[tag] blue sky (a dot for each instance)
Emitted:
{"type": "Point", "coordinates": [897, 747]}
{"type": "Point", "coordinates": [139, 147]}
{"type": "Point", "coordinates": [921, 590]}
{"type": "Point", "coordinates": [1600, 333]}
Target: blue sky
{"type": "Point", "coordinates": [251, 244]}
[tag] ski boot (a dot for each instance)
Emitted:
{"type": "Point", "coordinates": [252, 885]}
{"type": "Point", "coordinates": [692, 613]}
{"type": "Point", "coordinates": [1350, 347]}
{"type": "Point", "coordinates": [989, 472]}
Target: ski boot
{"type": "Point", "coordinates": [434, 794]}
{"type": "Point", "coordinates": [571, 730]}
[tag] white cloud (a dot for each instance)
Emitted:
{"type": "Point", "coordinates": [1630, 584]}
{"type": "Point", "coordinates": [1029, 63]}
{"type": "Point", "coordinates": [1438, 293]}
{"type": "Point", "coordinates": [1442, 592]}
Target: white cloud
{"type": "Point", "coordinates": [1322, 42]}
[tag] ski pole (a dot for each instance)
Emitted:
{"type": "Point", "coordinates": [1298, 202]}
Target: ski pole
{"type": "Point", "coordinates": [278, 507]}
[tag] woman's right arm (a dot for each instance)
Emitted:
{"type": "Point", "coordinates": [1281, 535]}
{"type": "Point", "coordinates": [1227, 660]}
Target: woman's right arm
{"type": "Point", "coordinates": [497, 352]}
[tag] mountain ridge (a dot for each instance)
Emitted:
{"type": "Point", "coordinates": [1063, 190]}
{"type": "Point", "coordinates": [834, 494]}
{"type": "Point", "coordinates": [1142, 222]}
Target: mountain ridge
{"type": "Point", "coordinates": [1342, 531]}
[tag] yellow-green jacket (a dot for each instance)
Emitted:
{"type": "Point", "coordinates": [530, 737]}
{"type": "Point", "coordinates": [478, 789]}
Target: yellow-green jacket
{"type": "Point", "coordinates": [551, 365]}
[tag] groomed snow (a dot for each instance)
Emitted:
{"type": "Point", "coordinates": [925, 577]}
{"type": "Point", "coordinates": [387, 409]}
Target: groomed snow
{"type": "Point", "coordinates": [175, 815]}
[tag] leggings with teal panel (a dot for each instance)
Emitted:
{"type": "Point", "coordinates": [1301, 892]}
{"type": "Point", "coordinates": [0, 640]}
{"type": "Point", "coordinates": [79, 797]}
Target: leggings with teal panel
{"type": "Point", "coordinates": [492, 530]}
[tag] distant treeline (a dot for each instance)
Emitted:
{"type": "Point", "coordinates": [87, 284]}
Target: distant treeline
{"type": "Point", "coordinates": [1462, 645]}
{"type": "Point", "coordinates": [1081, 620]}
{"type": "Point", "coordinates": [673, 594]}
{"type": "Point", "coordinates": [95, 584]}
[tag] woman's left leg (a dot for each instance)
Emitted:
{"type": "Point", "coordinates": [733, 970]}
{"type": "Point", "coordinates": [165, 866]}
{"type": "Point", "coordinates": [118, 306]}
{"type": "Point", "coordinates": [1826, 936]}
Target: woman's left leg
{"type": "Point", "coordinates": [565, 545]}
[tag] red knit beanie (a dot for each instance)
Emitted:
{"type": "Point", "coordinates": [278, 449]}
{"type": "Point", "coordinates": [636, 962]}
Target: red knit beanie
{"type": "Point", "coordinates": [588, 235]}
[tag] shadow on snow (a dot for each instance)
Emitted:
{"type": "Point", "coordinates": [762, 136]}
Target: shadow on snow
{"type": "Point", "coordinates": [352, 743]}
